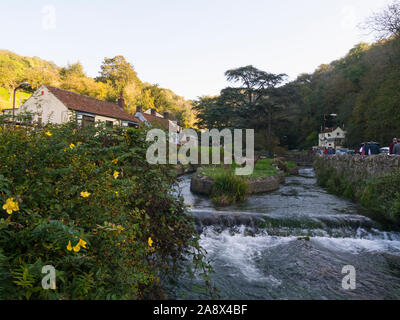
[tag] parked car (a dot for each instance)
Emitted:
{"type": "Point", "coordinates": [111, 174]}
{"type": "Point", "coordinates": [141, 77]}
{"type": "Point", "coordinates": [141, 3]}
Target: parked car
{"type": "Point", "coordinates": [384, 150]}
{"type": "Point", "coordinates": [342, 151]}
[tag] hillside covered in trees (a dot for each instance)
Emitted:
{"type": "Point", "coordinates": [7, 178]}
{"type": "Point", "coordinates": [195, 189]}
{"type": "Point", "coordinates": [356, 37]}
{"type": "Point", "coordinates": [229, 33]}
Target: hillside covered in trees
{"type": "Point", "coordinates": [362, 88]}
{"type": "Point", "coordinates": [115, 74]}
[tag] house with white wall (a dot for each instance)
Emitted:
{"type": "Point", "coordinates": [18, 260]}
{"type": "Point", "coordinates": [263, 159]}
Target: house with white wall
{"type": "Point", "coordinates": [53, 105]}
{"type": "Point", "coordinates": [154, 119]}
{"type": "Point", "coordinates": [332, 138]}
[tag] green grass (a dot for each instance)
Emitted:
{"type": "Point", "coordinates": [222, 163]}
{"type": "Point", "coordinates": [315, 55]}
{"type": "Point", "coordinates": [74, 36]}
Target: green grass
{"type": "Point", "coordinates": [263, 169]}
{"type": "Point", "coordinates": [6, 103]}
{"type": "Point", "coordinates": [291, 164]}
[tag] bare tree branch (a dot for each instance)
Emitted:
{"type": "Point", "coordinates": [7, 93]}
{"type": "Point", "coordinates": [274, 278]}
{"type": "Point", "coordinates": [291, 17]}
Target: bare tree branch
{"type": "Point", "coordinates": [385, 24]}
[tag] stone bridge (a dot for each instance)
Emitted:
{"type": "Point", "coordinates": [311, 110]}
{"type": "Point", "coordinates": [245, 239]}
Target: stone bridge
{"type": "Point", "coordinates": [301, 159]}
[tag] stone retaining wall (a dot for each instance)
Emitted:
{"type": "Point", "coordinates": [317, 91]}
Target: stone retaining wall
{"type": "Point", "coordinates": [356, 167]}
{"type": "Point", "coordinates": [371, 180]}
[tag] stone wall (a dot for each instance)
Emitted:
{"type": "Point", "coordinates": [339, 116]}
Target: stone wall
{"type": "Point", "coordinates": [184, 169]}
{"type": "Point", "coordinates": [371, 180]}
{"type": "Point", "coordinates": [305, 159]}
{"type": "Point", "coordinates": [356, 167]}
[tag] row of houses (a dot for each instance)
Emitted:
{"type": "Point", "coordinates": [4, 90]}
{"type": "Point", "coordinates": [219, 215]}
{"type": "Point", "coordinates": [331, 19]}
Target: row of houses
{"type": "Point", "coordinates": [49, 104]}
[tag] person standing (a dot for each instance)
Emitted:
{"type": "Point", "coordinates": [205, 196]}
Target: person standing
{"type": "Point", "coordinates": [373, 148]}
{"type": "Point", "coordinates": [363, 149]}
{"type": "Point", "coordinates": [396, 149]}
{"type": "Point", "coordinates": [392, 145]}
{"type": "Point", "coordinates": [367, 149]}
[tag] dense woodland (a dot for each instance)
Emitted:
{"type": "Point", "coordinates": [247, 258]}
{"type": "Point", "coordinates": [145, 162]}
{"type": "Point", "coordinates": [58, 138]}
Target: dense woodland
{"type": "Point", "coordinates": [362, 88]}
{"type": "Point", "coordinates": [115, 74]}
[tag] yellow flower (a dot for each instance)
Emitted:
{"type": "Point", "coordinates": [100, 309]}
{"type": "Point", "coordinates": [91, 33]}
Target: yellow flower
{"type": "Point", "coordinates": [82, 243]}
{"type": "Point", "coordinates": [79, 143]}
{"type": "Point", "coordinates": [71, 146]}
{"type": "Point", "coordinates": [116, 193]}
{"type": "Point", "coordinates": [77, 248]}
{"type": "Point", "coordinates": [120, 228]}
{"type": "Point", "coordinates": [116, 174]}
{"type": "Point", "coordinates": [85, 194]}
{"type": "Point", "coordinates": [48, 133]}
{"type": "Point", "coordinates": [11, 206]}
{"type": "Point", "coordinates": [115, 161]}
{"type": "Point", "coordinates": [69, 246]}
{"type": "Point", "coordinates": [150, 242]}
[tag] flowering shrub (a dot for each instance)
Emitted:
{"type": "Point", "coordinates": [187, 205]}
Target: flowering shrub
{"type": "Point", "coordinates": [86, 202]}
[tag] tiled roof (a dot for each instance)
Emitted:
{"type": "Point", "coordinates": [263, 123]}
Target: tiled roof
{"type": "Point", "coordinates": [78, 102]}
{"type": "Point", "coordinates": [157, 121]}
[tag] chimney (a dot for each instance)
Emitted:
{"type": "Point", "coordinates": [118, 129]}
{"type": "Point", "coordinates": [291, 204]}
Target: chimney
{"type": "Point", "coordinates": [153, 112]}
{"type": "Point", "coordinates": [166, 115]}
{"type": "Point", "coordinates": [121, 101]}
{"type": "Point", "coordinates": [139, 109]}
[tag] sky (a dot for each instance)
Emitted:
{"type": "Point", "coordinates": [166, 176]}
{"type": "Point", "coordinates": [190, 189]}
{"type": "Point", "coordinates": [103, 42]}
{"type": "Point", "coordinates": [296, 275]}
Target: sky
{"type": "Point", "coordinates": [187, 45]}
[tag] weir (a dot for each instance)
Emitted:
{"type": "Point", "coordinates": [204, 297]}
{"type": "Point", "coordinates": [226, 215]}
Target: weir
{"type": "Point", "coordinates": [293, 244]}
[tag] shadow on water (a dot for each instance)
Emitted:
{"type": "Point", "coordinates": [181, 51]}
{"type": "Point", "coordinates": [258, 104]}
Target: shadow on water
{"type": "Point", "coordinates": [259, 249]}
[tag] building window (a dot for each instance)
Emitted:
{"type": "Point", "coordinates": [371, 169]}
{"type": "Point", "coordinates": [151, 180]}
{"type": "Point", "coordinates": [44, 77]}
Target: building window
{"type": "Point", "coordinates": [109, 124]}
{"type": "Point", "coordinates": [87, 121]}
{"type": "Point", "coordinates": [129, 124]}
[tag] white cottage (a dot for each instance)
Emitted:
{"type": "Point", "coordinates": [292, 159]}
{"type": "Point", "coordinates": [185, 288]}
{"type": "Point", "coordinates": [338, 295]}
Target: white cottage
{"type": "Point", "coordinates": [54, 105]}
{"type": "Point", "coordinates": [332, 138]}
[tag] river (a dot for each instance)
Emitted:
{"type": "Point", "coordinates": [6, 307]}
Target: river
{"type": "Point", "coordinates": [256, 253]}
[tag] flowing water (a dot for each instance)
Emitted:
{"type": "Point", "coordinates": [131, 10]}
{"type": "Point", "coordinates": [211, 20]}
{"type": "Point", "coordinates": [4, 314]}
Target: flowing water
{"type": "Point", "coordinates": [255, 250]}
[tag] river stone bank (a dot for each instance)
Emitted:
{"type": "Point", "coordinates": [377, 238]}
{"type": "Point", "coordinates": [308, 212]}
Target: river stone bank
{"type": "Point", "coordinates": [371, 180]}
{"type": "Point", "coordinates": [184, 169]}
{"type": "Point", "coordinates": [203, 185]}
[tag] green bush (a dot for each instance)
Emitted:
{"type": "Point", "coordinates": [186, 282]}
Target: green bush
{"type": "Point", "coordinates": [228, 188]}
{"type": "Point", "coordinates": [382, 195]}
{"type": "Point", "coordinates": [87, 202]}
